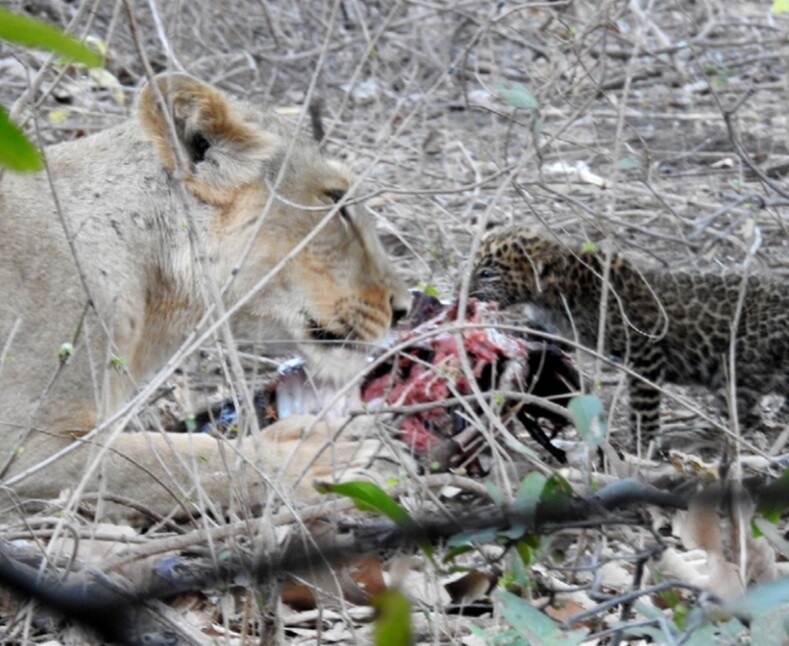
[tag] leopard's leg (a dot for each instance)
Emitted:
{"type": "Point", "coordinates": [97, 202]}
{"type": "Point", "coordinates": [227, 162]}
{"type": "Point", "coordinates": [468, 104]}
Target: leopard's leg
{"type": "Point", "coordinates": [762, 367]}
{"type": "Point", "coordinates": [648, 361]}
{"type": "Point", "coordinates": [748, 398]}
{"type": "Point", "coordinates": [749, 414]}
{"type": "Point", "coordinates": [752, 381]}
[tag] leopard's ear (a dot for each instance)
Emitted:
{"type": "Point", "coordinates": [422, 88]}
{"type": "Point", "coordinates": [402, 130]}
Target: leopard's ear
{"type": "Point", "coordinates": [203, 117]}
{"type": "Point", "coordinates": [549, 267]}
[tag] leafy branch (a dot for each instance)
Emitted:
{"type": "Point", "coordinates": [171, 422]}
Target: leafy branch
{"type": "Point", "coordinates": [17, 152]}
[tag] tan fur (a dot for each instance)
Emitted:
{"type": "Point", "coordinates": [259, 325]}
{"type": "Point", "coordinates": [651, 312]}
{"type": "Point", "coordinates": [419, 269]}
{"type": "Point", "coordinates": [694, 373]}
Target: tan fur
{"type": "Point", "coordinates": [143, 291]}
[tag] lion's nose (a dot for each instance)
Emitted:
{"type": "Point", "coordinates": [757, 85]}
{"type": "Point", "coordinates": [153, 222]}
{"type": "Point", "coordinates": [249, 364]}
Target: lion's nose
{"type": "Point", "coordinates": [400, 307]}
{"type": "Point", "coordinates": [398, 314]}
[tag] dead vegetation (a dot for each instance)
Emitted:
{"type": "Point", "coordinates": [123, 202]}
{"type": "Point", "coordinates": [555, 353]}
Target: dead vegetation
{"type": "Point", "coordinates": [657, 128]}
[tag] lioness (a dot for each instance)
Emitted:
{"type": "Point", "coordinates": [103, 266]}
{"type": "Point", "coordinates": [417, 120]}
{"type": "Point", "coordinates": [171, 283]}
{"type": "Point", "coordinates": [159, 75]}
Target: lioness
{"type": "Point", "coordinates": [102, 258]}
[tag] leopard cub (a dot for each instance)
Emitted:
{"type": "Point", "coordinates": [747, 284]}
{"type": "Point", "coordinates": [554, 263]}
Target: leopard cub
{"type": "Point", "coordinates": [667, 325]}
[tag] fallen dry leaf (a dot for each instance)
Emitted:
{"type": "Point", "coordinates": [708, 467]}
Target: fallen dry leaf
{"type": "Point", "coordinates": [470, 587]}
{"type": "Point", "coordinates": [359, 579]}
{"type": "Point", "coordinates": [562, 609]}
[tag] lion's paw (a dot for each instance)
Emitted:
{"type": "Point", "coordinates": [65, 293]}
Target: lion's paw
{"type": "Point", "coordinates": [305, 450]}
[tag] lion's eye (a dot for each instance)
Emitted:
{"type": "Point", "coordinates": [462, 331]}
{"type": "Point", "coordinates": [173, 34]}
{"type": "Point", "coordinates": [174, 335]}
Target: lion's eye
{"type": "Point", "coordinates": [336, 196]}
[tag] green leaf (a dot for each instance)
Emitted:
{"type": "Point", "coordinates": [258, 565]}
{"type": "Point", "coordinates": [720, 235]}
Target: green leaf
{"type": "Point", "coordinates": [487, 535]}
{"type": "Point", "coordinates": [531, 488]}
{"type": "Point", "coordinates": [526, 549]}
{"type": "Point", "coordinates": [494, 492]}
{"type": "Point", "coordinates": [589, 246]}
{"type": "Point", "coordinates": [770, 628]}
{"type": "Point", "coordinates": [528, 495]}
{"type": "Point", "coordinates": [534, 490]}
{"type": "Point", "coordinates": [452, 554]}
{"type": "Point", "coordinates": [65, 351]}
{"type": "Point", "coordinates": [427, 289]}
{"type": "Point", "coordinates": [507, 638]}
{"type": "Point", "coordinates": [759, 599]}
{"type": "Point", "coordinates": [369, 497]}
{"type": "Point", "coordinates": [534, 625]}
{"type": "Point", "coordinates": [626, 163]}
{"type": "Point", "coordinates": [58, 115]}
{"type": "Point", "coordinates": [557, 493]}
{"type": "Point", "coordinates": [670, 598]}
{"type": "Point", "coordinates": [772, 535]}
{"type": "Point", "coordinates": [517, 95]}
{"type": "Point", "coordinates": [556, 486]}
{"type": "Point", "coordinates": [36, 33]}
{"type": "Point", "coordinates": [702, 635]}
{"type": "Point", "coordinates": [519, 563]}
{"type": "Point", "coordinates": [476, 631]}
{"type": "Point", "coordinates": [589, 418]}
{"type": "Point", "coordinates": [775, 493]}
{"type": "Point", "coordinates": [523, 616]}
{"type": "Point", "coordinates": [780, 6]}
{"type": "Point", "coordinates": [392, 619]}
{"type": "Point", "coordinates": [733, 630]}
{"type": "Point", "coordinates": [16, 152]}
{"type": "Point", "coordinates": [517, 530]}
{"type": "Point", "coordinates": [117, 361]}
{"type": "Point", "coordinates": [190, 422]}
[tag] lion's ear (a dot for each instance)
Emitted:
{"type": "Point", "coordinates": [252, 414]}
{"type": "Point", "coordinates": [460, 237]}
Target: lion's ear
{"type": "Point", "coordinates": [203, 116]}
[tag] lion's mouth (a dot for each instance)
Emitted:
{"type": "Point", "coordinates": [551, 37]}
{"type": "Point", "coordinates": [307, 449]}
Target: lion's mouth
{"type": "Point", "coordinates": [324, 334]}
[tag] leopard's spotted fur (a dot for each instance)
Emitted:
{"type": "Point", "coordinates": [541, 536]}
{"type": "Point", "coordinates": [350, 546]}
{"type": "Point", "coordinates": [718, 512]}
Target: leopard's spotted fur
{"type": "Point", "coordinates": [667, 325]}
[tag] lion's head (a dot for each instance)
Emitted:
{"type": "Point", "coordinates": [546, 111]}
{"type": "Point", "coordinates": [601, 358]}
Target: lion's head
{"type": "Point", "coordinates": [333, 290]}
{"type": "Point", "coordinates": [199, 211]}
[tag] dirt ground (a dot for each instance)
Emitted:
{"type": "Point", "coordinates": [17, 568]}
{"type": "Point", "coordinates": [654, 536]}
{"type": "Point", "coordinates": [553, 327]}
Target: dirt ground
{"type": "Point", "coordinates": [660, 128]}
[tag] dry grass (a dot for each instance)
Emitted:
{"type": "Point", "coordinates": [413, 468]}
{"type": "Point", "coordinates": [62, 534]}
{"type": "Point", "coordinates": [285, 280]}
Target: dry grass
{"type": "Point", "coordinates": [431, 103]}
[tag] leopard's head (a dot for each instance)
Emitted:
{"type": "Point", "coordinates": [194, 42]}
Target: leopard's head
{"type": "Point", "coordinates": [515, 264]}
